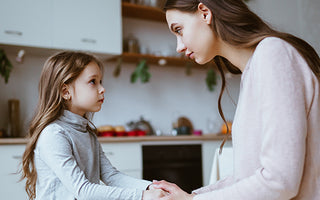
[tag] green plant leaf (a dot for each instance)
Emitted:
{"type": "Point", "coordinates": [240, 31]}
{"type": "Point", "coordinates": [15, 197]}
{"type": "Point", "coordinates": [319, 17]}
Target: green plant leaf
{"type": "Point", "coordinates": [188, 68]}
{"type": "Point", "coordinates": [211, 79]}
{"type": "Point", "coordinates": [141, 72]}
{"type": "Point", "coordinates": [134, 77]}
{"type": "Point", "coordinates": [5, 66]}
{"type": "Point", "coordinates": [117, 70]}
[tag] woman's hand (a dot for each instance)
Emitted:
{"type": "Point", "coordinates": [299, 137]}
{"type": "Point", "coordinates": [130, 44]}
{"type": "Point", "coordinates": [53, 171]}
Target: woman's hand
{"type": "Point", "coordinates": [153, 194]}
{"type": "Point", "coordinates": [173, 191]}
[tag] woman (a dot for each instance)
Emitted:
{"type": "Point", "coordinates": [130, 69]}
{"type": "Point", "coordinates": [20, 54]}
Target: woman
{"type": "Point", "coordinates": [275, 131]}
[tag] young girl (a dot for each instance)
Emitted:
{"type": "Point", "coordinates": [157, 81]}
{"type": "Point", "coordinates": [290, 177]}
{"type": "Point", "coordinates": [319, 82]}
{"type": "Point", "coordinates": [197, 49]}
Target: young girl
{"type": "Point", "coordinates": [276, 129]}
{"type": "Point", "coordinates": [63, 158]}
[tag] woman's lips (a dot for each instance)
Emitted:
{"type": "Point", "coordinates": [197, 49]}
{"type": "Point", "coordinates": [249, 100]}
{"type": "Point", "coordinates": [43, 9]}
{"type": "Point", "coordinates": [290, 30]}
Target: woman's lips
{"type": "Point", "coordinates": [190, 55]}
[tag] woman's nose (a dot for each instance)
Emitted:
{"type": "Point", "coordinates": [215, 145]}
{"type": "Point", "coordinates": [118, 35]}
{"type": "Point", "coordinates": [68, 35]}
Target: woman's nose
{"type": "Point", "coordinates": [180, 46]}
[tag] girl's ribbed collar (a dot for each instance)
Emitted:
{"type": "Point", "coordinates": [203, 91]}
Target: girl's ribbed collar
{"type": "Point", "coordinates": [74, 120]}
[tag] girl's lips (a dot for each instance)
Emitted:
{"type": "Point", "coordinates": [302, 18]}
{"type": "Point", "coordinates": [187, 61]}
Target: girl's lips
{"type": "Point", "coordinates": [101, 100]}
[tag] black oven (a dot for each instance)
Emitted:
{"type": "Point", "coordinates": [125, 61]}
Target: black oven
{"type": "Point", "coordinates": [180, 164]}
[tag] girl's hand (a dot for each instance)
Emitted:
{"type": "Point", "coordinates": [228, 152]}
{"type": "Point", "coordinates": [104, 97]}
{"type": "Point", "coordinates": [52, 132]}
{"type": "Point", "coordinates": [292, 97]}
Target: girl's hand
{"type": "Point", "coordinates": [173, 191]}
{"type": "Point", "coordinates": [153, 194]}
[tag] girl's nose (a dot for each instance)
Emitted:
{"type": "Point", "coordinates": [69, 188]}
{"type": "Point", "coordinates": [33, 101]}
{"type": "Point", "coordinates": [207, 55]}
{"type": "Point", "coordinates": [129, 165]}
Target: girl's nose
{"type": "Point", "coordinates": [102, 90]}
{"type": "Point", "coordinates": [180, 46]}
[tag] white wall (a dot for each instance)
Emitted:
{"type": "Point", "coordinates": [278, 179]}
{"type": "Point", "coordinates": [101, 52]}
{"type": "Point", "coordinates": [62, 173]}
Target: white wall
{"type": "Point", "coordinates": [170, 92]}
{"type": "Point", "coordinates": [298, 17]}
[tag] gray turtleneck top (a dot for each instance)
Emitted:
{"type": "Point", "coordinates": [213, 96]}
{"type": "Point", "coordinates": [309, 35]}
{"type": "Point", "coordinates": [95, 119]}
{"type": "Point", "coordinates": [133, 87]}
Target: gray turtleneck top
{"type": "Point", "coordinates": [70, 164]}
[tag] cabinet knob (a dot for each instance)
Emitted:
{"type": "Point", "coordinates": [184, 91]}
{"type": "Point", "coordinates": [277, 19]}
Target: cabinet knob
{"type": "Point", "coordinates": [12, 32]}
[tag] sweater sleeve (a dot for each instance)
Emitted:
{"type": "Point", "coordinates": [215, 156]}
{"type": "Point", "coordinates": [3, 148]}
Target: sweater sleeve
{"type": "Point", "coordinates": [279, 86]}
{"type": "Point", "coordinates": [56, 151]}
{"type": "Point", "coordinates": [111, 176]}
{"type": "Point", "coordinates": [216, 186]}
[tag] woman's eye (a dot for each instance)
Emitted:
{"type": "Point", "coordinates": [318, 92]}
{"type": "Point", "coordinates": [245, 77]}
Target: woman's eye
{"type": "Point", "coordinates": [177, 31]}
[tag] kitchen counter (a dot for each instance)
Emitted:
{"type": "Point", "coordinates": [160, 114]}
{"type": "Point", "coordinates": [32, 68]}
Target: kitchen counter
{"type": "Point", "coordinates": [206, 137]}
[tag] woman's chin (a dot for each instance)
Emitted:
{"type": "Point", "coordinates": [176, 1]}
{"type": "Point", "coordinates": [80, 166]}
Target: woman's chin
{"type": "Point", "coordinates": [201, 61]}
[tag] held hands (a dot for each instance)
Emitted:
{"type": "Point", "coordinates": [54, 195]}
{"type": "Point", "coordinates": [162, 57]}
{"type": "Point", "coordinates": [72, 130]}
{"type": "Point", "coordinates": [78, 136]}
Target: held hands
{"type": "Point", "coordinates": [173, 192]}
{"type": "Point", "coordinates": [153, 194]}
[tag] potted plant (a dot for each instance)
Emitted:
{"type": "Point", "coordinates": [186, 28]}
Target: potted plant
{"type": "Point", "coordinates": [5, 66]}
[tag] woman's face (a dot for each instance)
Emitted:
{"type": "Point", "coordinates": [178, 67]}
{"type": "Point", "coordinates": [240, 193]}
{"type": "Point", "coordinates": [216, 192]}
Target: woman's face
{"type": "Point", "coordinates": [194, 34]}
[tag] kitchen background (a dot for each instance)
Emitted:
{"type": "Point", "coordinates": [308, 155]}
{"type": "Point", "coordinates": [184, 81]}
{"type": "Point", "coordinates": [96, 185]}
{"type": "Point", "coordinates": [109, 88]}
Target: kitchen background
{"type": "Point", "coordinates": [170, 93]}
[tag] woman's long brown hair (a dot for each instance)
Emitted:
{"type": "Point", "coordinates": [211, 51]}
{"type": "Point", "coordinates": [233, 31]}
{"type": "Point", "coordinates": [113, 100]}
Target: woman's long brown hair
{"type": "Point", "coordinates": [58, 70]}
{"type": "Point", "coordinates": [237, 25]}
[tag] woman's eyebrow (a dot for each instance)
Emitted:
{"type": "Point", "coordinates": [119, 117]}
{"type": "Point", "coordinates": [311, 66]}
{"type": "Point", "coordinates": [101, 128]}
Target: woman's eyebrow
{"type": "Point", "coordinates": [172, 26]}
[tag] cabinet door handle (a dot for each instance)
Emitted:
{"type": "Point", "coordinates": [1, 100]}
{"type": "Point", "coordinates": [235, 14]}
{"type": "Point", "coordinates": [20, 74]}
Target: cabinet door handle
{"type": "Point", "coordinates": [17, 157]}
{"type": "Point", "coordinates": [110, 153]}
{"type": "Point", "coordinates": [12, 32]}
{"type": "Point", "coordinates": [88, 40]}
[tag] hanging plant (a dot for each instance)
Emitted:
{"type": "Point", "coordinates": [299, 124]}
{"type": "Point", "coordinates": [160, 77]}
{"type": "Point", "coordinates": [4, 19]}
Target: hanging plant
{"type": "Point", "coordinates": [5, 66]}
{"type": "Point", "coordinates": [211, 79]}
{"type": "Point", "coordinates": [141, 72]}
{"type": "Point", "coordinates": [188, 68]}
{"type": "Point", "coordinates": [117, 70]}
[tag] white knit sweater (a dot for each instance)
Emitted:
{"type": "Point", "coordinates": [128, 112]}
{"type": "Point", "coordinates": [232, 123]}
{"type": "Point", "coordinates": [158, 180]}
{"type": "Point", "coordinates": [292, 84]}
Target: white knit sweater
{"type": "Point", "coordinates": [276, 130]}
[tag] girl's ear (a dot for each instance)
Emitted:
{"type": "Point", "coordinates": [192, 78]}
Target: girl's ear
{"type": "Point", "coordinates": [65, 92]}
{"type": "Point", "coordinates": [205, 12]}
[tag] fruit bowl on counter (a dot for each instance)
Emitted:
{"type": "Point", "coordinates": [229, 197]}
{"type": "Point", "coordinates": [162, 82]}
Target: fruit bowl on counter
{"type": "Point", "coordinates": [118, 131]}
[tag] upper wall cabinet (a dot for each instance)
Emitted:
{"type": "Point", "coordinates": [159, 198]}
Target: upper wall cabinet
{"type": "Point", "coordinates": [87, 25]}
{"type": "Point", "coordinates": [25, 23]}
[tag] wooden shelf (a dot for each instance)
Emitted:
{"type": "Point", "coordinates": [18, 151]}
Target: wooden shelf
{"type": "Point", "coordinates": [154, 14]}
{"type": "Point", "coordinates": [152, 59]}
{"type": "Point", "coordinates": [142, 12]}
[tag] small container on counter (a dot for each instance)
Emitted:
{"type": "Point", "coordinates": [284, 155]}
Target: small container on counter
{"type": "Point", "coordinates": [14, 118]}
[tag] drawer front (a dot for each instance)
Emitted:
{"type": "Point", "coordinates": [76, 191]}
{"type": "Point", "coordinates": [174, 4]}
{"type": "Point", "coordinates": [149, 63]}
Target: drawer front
{"type": "Point", "coordinates": [124, 156]}
{"type": "Point", "coordinates": [10, 187]}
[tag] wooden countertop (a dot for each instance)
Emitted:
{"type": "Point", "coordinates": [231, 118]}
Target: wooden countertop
{"type": "Point", "coordinates": [206, 137]}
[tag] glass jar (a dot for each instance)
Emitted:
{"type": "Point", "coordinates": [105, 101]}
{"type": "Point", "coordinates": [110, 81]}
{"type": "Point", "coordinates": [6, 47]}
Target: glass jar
{"type": "Point", "coordinates": [14, 118]}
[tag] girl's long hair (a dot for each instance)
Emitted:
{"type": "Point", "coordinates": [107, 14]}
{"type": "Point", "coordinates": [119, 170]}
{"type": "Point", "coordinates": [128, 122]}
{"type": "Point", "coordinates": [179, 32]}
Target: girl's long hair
{"type": "Point", "coordinates": [58, 70]}
{"type": "Point", "coordinates": [237, 25]}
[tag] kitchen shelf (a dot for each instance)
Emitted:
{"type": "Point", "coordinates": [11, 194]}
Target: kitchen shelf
{"type": "Point", "coordinates": [142, 12]}
{"type": "Point", "coordinates": [151, 14]}
{"type": "Point", "coordinates": [152, 59]}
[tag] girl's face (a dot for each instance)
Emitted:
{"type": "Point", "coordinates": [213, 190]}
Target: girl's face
{"type": "Point", "coordinates": [194, 34]}
{"type": "Point", "coordinates": [86, 91]}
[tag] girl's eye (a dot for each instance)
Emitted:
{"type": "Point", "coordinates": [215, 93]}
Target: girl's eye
{"type": "Point", "coordinates": [93, 81]}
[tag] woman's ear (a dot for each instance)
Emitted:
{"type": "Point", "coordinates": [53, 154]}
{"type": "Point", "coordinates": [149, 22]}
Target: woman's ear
{"type": "Point", "coordinates": [65, 92]}
{"type": "Point", "coordinates": [205, 13]}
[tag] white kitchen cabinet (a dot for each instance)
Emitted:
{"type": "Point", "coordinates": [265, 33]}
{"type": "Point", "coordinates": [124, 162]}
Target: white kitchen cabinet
{"type": "Point", "coordinates": [126, 157]}
{"type": "Point", "coordinates": [89, 25]}
{"type": "Point", "coordinates": [208, 151]}
{"type": "Point", "coordinates": [26, 23]}
{"type": "Point", "coordinates": [94, 26]}
{"type": "Point", "coordinates": [10, 187]}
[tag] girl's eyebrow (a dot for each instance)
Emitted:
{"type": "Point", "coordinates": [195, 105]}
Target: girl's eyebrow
{"type": "Point", "coordinates": [93, 76]}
